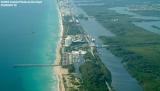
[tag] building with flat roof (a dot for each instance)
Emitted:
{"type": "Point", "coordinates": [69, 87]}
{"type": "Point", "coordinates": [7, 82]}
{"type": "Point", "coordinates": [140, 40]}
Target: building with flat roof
{"type": "Point", "coordinates": [68, 41]}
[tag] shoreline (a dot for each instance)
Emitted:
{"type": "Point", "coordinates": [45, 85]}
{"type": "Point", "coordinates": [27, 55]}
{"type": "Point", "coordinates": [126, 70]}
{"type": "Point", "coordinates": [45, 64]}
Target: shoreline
{"type": "Point", "coordinates": [58, 70]}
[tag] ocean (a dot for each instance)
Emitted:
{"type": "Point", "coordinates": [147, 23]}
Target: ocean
{"type": "Point", "coordinates": [28, 35]}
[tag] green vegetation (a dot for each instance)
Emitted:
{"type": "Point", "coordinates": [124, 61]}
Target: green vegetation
{"type": "Point", "coordinates": [93, 77]}
{"type": "Point", "coordinates": [94, 74]}
{"type": "Point", "coordinates": [139, 48]}
{"type": "Point", "coordinates": [70, 27]}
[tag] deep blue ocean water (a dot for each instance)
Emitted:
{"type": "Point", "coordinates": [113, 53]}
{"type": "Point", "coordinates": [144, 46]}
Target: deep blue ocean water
{"type": "Point", "coordinates": [28, 35]}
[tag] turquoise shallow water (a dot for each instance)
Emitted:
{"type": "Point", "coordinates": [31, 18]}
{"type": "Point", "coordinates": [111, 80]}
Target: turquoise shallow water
{"type": "Point", "coordinates": [28, 34]}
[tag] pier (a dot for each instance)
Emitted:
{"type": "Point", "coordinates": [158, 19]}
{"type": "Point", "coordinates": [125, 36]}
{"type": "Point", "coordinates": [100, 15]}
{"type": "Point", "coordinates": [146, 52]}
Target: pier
{"type": "Point", "coordinates": [34, 65]}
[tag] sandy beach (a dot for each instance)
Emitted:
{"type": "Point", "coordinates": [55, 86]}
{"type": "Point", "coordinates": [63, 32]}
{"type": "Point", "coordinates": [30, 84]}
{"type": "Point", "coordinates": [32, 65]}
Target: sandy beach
{"type": "Point", "coordinates": [58, 70]}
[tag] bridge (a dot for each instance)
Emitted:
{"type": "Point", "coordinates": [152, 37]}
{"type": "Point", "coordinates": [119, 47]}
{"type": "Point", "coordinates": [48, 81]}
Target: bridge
{"type": "Point", "coordinates": [34, 65]}
{"type": "Point", "coordinates": [99, 46]}
{"type": "Point", "coordinates": [93, 44]}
